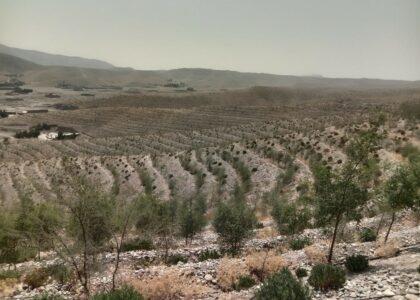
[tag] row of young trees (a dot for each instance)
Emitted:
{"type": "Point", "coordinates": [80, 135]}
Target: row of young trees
{"type": "Point", "coordinates": [85, 222]}
{"type": "Point", "coordinates": [343, 194]}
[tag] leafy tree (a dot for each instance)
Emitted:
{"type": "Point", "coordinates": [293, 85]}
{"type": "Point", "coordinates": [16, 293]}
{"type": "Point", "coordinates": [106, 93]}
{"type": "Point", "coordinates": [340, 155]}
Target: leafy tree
{"type": "Point", "coordinates": [9, 239]}
{"type": "Point", "coordinates": [191, 217]}
{"type": "Point", "coordinates": [400, 191]}
{"type": "Point", "coordinates": [233, 222]}
{"type": "Point", "coordinates": [88, 215]}
{"type": "Point", "coordinates": [341, 194]}
{"type": "Point", "coordinates": [283, 286]}
{"type": "Point", "coordinates": [289, 218]}
{"type": "Point", "coordinates": [123, 221]}
{"type": "Point", "coordinates": [157, 218]}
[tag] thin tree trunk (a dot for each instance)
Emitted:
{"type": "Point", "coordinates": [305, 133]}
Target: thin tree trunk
{"type": "Point", "coordinates": [389, 228]}
{"type": "Point", "coordinates": [337, 222]}
{"type": "Point", "coordinates": [117, 264]}
{"type": "Point", "coordinates": [380, 224]}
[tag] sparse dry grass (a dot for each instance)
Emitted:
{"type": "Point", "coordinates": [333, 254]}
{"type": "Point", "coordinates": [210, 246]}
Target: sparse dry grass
{"type": "Point", "coordinates": [266, 232]}
{"type": "Point", "coordinates": [7, 287]}
{"type": "Point", "coordinates": [315, 254]}
{"type": "Point", "coordinates": [228, 272]}
{"type": "Point", "coordinates": [170, 286]}
{"type": "Point", "coordinates": [264, 263]}
{"type": "Point", "coordinates": [390, 249]}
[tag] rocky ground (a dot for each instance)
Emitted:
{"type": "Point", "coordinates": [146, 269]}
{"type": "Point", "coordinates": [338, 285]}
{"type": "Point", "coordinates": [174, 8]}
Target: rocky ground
{"type": "Point", "coordinates": [392, 275]}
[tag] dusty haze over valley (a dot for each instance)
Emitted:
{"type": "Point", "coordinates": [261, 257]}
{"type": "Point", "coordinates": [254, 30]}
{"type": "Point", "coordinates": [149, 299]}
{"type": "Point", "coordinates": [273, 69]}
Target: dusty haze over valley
{"type": "Point", "coordinates": [210, 149]}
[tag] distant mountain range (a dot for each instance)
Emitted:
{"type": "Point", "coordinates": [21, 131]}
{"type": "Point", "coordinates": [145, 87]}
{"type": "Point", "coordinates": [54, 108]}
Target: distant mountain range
{"type": "Point", "coordinates": [46, 59]}
{"type": "Point", "coordinates": [42, 69]}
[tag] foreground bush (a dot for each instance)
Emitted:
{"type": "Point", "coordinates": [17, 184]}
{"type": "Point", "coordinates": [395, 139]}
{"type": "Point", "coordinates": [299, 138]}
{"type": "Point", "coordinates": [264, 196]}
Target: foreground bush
{"type": "Point", "coordinates": [301, 272]}
{"type": "Point", "coordinates": [9, 274]}
{"type": "Point", "coordinates": [299, 243]}
{"type": "Point", "coordinates": [124, 293]}
{"type": "Point", "coordinates": [357, 263]}
{"type": "Point", "coordinates": [264, 263]}
{"type": "Point", "coordinates": [47, 296]}
{"type": "Point", "coordinates": [137, 244]}
{"type": "Point", "coordinates": [36, 278]}
{"type": "Point", "coordinates": [59, 272]}
{"type": "Point", "coordinates": [229, 271]}
{"type": "Point", "coordinates": [368, 235]}
{"type": "Point", "coordinates": [209, 254]}
{"type": "Point", "coordinates": [326, 277]}
{"type": "Point", "coordinates": [175, 259]}
{"type": "Point", "coordinates": [244, 282]}
{"type": "Point", "coordinates": [282, 286]}
{"type": "Point", "coordinates": [233, 223]}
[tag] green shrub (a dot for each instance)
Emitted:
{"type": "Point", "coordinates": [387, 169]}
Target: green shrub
{"type": "Point", "coordinates": [47, 296]}
{"type": "Point", "coordinates": [137, 244]}
{"type": "Point", "coordinates": [124, 293]}
{"type": "Point", "coordinates": [290, 218]}
{"type": "Point", "coordinates": [36, 278]}
{"type": "Point", "coordinates": [326, 277]}
{"type": "Point", "coordinates": [299, 243]}
{"type": "Point", "coordinates": [234, 223]}
{"type": "Point", "coordinates": [59, 272]}
{"type": "Point", "coordinates": [175, 259]}
{"type": "Point", "coordinates": [259, 225]}
{"type": "Point", "coordinates": [209, 254]}
{"type": "Point", "coordinates": [5, 274]}
{"type": "Point", "coordinates": [282, 286]}
{"type": "Point", "coordinates": [357, 263]}
{"type": "Point", "coordinates": [301, 272]}
{"type": "Point", "coordinates": [244, 282]}
{"type": "Point", "coordinates": [368, 235]}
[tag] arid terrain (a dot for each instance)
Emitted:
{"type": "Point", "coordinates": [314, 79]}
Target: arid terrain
{"type": "Point", "coordinates": [258, 136]}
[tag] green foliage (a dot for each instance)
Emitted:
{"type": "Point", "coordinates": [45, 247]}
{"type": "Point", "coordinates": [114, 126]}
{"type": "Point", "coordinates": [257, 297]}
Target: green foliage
{"type": "Point", "coordinates": [301, 272]}
{"type": "Point", "coordinates": [368, 235]}
{"type": "Point", "coordinates": [401, 190]}
{"type": "Point", "coordinates": [47, 296]}
{"type": "Point", "coordinates": [410, 110]}
{"type": "Point", "coordinates": [244, 282]}
{"type": "Point", "coordinates": [147, 181]}
{"type": "Point", "coordinates": [175, 259]}
{"type": "Point", "coordinates": [289, 218]}
{"type": "Point", "coordinates": [91, 216]}
{"type": "Point", "coordinates": [233, 222]}
{"type": "Point", "coordinates": [209, 254]}
{"type": "Point", "coordinates": [341, 194]}
{"type": "Point", "coordinates": [5, 274]}
{"type": "Point", "coordinates": [137, 244]}
{"type": "Point", "coordinates": [59, 272]}
{"type": "Point", "coordinates": [191, 217]}
{"type": "Point", "coordinates": [288, 175]}
{"type": "Point", "coordinates": [282, 286]}
{"type": "Point", "coordinates": [36, 278]}
{"type": "Point", "coordinates": [326, 277]}
{"type": "Point", "coordinates": [299, 243]}
{"type": "Point", "coordinates": [9, 240]}
{"type": "Point", "coordinates": [157, 218]}
{"type": "Point", "coordinates": [244, 173]}
{"type": "Point", "coordinates": [357, 263]}
{"type": "Point", "coordinates": [123, 293]}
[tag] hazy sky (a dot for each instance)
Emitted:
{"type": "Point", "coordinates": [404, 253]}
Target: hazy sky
{"type": "Point", "coordinates": [335, 38]}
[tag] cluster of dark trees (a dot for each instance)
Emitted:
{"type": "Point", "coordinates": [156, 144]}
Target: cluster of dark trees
{"type": "Point", "coordinates": [35, 131]}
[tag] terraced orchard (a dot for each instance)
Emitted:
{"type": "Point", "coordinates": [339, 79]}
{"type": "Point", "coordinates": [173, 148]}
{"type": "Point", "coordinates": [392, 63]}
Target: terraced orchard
{"type": "Point", "coordinates": [209, 202]}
